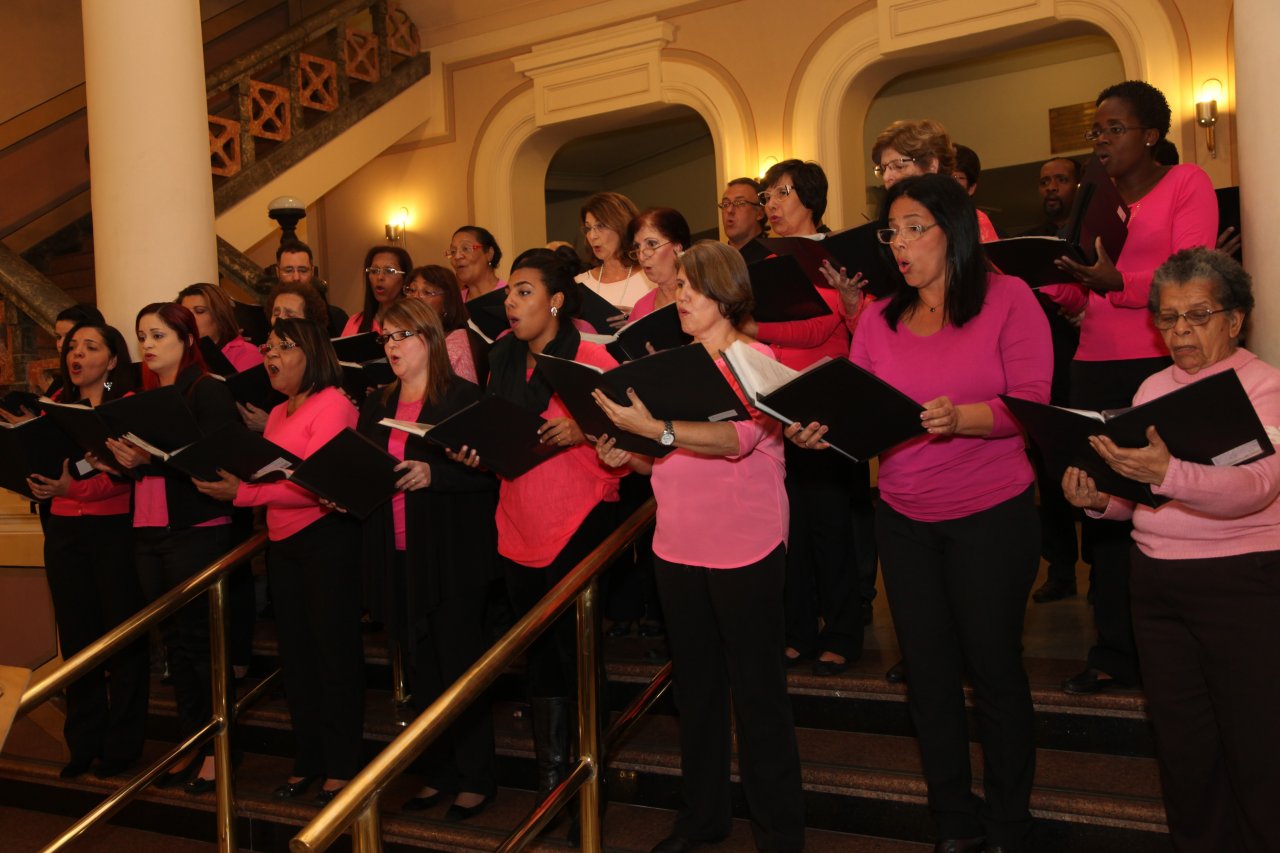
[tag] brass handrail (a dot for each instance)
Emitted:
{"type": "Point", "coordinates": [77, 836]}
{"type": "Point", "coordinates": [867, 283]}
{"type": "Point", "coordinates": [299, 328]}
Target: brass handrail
{"type": "Point", "coordinates": [211, 579]}
{"type": "Point", "coordinates": [357, 802]}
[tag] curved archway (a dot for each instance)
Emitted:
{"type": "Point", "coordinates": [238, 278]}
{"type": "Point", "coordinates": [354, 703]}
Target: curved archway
{"type": "Point", "coordinates": [515, 151]}
{"type": "Point", "coordinates": [850, 68]}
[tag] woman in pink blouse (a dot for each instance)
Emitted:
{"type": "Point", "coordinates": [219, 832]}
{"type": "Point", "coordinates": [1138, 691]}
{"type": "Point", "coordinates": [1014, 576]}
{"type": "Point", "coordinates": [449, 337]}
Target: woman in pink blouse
{"type": "Point", "coordinates": [313, 564]}
{"type": "Point", "coordinates": [720, 554]}
{"type": "Point", "coordinates": [1206, 566]}
{"type": "Point", "coordinates": [438, 287]}
{"type": "Point", "coordinates": [386, 270]}
{"type": "Point", "coordinates": [88, 561]}
{"type": "Point", "coordinates": [216, 320]}
{"type": "Point", "coordinates": [1171, 208]}
{"type": "Point", "coordinates": [957, 528]}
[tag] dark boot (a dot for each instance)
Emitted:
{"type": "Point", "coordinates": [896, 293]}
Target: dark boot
{"type": "Point", "coordinates": [551, 755]}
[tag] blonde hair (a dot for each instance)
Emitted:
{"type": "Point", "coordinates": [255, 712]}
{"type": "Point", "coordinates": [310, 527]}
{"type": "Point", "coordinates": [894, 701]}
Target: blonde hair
{"type": "Point", "coordinates": [926, 141]}
{"type": "Point", "coordinates": [420, 318]}
{"type": "Point", "coordinates": [718, 272]}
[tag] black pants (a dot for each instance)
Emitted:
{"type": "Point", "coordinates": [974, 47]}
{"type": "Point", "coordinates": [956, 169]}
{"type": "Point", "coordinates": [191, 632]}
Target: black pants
{"type": "Point", "coordinates": [316, 588]}
{"type": "Point", "coordinates": [727, 636]}
{"type": "Point", "coordinates": [1058, 543]}
{"type": "Point", "coordinates": [88, 561]}
{"type": "Point", "coordinates": [1111, 385]}
{"type": "Point", "coordinates": [451, 639]}
{"type": "Point", "coordinates": [822, 578]}
{"type": "Point", "coordinates": [627, 589]}
{"type": "Point", "coordinates": [242, 604]}
{"type": "Point", "coordinates": [552, 659]}
{"type": "Point", "coordinates": [165, 559]}
{"type": "Point", "coordinates": [1209, 634]}
{"type": "Point", "coordinates": [958, 591]}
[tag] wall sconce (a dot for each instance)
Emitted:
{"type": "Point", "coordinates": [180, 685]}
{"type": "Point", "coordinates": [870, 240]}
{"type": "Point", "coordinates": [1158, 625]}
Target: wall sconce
{"type": "Point", "coordinates": [396, 227]}
{"type": "Point", "coordinates": [765, 165]}
{"type": "Point", "coordinates": [1207, 111]}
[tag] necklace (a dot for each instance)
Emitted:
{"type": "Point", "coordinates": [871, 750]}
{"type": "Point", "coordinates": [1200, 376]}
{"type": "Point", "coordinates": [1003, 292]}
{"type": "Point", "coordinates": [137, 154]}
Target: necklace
{"type": "Point", "coordinates": [600, 275]}
{"type": "Point", "coordinates": [933, 309]}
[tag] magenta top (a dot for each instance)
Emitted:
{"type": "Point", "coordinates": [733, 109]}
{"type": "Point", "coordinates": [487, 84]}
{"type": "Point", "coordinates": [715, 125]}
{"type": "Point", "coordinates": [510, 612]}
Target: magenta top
{"type": "Point", "coordinates": [321, 416]}
{"type": "Point", "coordinates": [96, 495]}
{"type": "Point", "coordinates": [799, 343]}
{"type": "Point", "coordinates": [646, 304]}
{"type": "Point", "coordinates": [353, 325]}
{"type": "Point", "coordinates": [724, 512]}
{"type": "Point", "coordinates": [1181, 211]}
{"type": "Point", "coordinates": [396, 442]}
{"type": "Point", "coordinates": [151, 505]}
{"type": "Point", "coordinates": [458, 345]}
{"type": "Point", "coordinates": [242, 354]}
{"type": "Point", "coordinates": [1006, 349]}
{"type": "Point", "coordinates": [539, 511]}
{"type": "Point", "coordinates": [1214, 511]}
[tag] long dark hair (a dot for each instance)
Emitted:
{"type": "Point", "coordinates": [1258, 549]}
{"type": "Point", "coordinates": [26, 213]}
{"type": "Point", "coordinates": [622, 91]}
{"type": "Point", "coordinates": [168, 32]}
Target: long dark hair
{"type": "Point", "coordinates": [322, 370]}
{"type": "Point", "coordinates": [183, 324]}
{"type": "Point", "coordinates": [121, 378]}
{"type": "Point", "coordinates": [370, 304]}
{"type": "Point", "coordinates": [953, 210]}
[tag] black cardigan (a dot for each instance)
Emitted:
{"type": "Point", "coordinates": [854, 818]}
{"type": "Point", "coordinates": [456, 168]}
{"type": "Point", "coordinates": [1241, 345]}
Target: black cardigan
{"type": "Point", "coordinates": [451, 540]}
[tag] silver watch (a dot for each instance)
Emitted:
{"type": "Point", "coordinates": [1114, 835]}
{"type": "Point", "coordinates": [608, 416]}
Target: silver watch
{"type": "Point", "coordinates": [668, 436]}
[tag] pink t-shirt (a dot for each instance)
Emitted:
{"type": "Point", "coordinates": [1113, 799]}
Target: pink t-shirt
{"type": "Point", "coordinates": [321, 416]}
{"type": "Point", "coordinates": [1006, 349]}
{"type": "Point", "coordinates": [1215, 511]}
{"type": "Point", "coordinates": [1180, 212]}
{"type": "Point", "coordinates": [242, 354]}
{"type": "Point", "coordinates": [96, 495]}
{"type": "Point", "coordinates": [644, 305]}
{"type": "Point", "coordinates": [986, 231]}
{"type": "Point", "coordinates": [353, 325]}
{"type": "Point", "coordinates": [724, 512]}
{"type": "Point", "coordinates": [395, 446]}
{"type": "Point", "coordinates": [151, 505]}
{"type": "Point", "coordinates": [458, 344]}
{"type": "Point", "coordinates": [539, 511]}
{"type": "Point", "coordinates": [799, 343]}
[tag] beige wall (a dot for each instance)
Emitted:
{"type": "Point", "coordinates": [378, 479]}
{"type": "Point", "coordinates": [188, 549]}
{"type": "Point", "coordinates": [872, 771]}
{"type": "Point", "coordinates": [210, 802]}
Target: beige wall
{"type": "Point", "coordinates": [41, 52]}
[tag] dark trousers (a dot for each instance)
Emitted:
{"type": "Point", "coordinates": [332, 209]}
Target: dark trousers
{"type": "Point", "coordinates": [166, 558]}
{"type": "Point", "coordinates": [1101, 385]}
{"type": "Point", "coordinates": [242, 606]}
{"type": "Point", "coordinates": [552, 659]}
{"type": "Point", "coordinates": [958, 591]}
{"type": "Point", "coordinates": [727, 636]}
{"type": "Point", "coordinates": [1209, 635]}
{"type": "Point", "coordinates": [627, 589]}
{"type": "Point", "coordinates": [1058, 543]}
{"type": "Point", "coordinates": [822, 578]}
{"type": "Point", "coordinates": [88, 561]}
{"type": "Point", "coordinates": [316, 588]}
{"type": "Point", "coordinates": [450, 641]}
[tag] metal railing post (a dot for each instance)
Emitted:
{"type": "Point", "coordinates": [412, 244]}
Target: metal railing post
{"type": "Point", "coordinates": [589, 752]}
{"type": "Point", "coordinates": [221, 676]}
{"type": "Point", "coordinates": [366, 832]}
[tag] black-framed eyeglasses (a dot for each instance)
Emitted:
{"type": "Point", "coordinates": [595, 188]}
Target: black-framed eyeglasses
{"type": "Point", "coordinates": [395, 336]}
{"type": "Point", "coordinates": [645, 249]}
{"type": "Point", "coordinates": [283, 346]}
{"type": "Point", "coordinates": [910, 233]}
{"type": "Point", "coordinates": [782, 191]}
{"type": "Point", "coordinates": [1115, 131]}
{"type": "Point", "coordinates": [1166, 320]}
{"type": "Point", "coordinates": [383, 270]}
{"type": "Point", "coordinates": [893, 166]}
{"type": "Point", "coordinates": [727, 203]}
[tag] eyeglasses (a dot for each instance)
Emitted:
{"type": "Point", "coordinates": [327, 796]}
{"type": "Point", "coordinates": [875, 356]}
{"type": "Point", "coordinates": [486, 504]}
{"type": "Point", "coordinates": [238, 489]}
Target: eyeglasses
{"type": "Point", "coordinates": [1167, 320]}
{"type": "Point", "coordinates": [783, 191]}
{"type": "Point", "coordinates": [645, 250]}
{"type": "Point", "coordinates": [599, 226]}
{"type": "Point", "coordinates": [1115, 131]}
{"type": "Point", "coordinates": [410, 290]}
{"type": "Point", "coordinates": [395, 336]}
{"type": "Point", "coordinates": [910, 233]}
{"type": "Point", "coordinates": [464, 249]}
{"type": "Point", "coordinates": [302, 270]}
{"type": "Point", "coordinates": [725, 204]}
{"type": "Point", "coordinates": [383, 271]}
{"type": "Point", "coordinates": [283, 346]}
{"type": "Point", "coordinates": [893, 166]}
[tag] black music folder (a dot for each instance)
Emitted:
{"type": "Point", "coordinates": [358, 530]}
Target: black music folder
{"type": "Point", "coordinates": [1209, 422]}
{"type": "Point", "coordinates": [36, 446]}
{"type": "Point", "coordinates": [357, 379]}
{"type": "Point", "coordinates": [252, 386]}
{"type": "Point", "coordinates": [358, 348]}
{"type": "Point", "coordinates": [159, 419]}
{"type": "Point", "coordinates": [858, 250]}
{"type": "Point", "coordinates": [489, 314]}
{"type": "Point", "coordinates": [214, 358]}
{"type": "Point", "coordinates": [865, 416]}
{"type": "Point", "coordinates": [659, 329]}
{"type": "Point", "coordinates": [783, 291]}
{"type": "Point", "coordinates": [595, 309]}
{"type": "Point", "coordinates": [16, 401]}
{"type": "Point", "coordinates": [681, 384]}
{"type": "Point", "coordinates": [503, 433]}
{"type": "Point", "coordinates": [1098, 211]}
{"type": "Point", "coordinates": [237, 450]}
{"type": "Point", "coordinates": [351, 471]}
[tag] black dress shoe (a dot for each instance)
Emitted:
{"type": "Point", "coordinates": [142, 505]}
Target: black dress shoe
{"type": "Point", "coordinates": [75, 767]}
{"type": "Point", "coordinates": [897, 673]}
{"type": "Point", "coordinates": [109, 767]}
{"type": "Point", "coordinates": [326, 796]}
{"type": "Point", "coordinates": [651, 630]}
{"type": "Point", "coordinates": [198, 786]}
{"type": "Point", "coordinates": [457, 813]}
{"type": "Point", "coordinates": [420, 804]}
{"type": "Point", "coordinates": [621, 628]}
{"type": "Point", "coordinates": [1092, 681]}
{"type": "Point", "coordinates": [172, 779]}
{"type": "Point", "coordinates": [675, 844]}
{"type": "Point", "coordinates": [830, 667]}
{"type": "Point", "coordinates": [1053, 590]}
{"type": "Point", "coordinates": [959, 845]}
{"type": "Point", "coordinates": [289, 790]}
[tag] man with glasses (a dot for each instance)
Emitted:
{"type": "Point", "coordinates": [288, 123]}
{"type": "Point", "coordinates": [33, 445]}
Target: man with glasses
{"type": "Point", "coordinates": [294, 263]}
{"type": "Point", "coordinates": [744, 219]}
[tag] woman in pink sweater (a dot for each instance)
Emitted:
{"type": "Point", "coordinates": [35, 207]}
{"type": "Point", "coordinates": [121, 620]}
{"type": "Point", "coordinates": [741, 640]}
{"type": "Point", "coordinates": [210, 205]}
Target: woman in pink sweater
{"type": "Point", "coordinates": [957, 528]}
{"type": "Point", "coordinates": [1206, 574]}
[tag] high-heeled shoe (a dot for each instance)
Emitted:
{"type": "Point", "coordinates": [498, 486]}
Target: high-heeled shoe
{"type": "Point", "coordinates": [197, 786]}
{"type": "Point", "coordinates": [174, 778]}
{"type": "Point", "coordinates": [289, 790]}
{"type": "Point", "coordinates": [457, 813]}
{"type": "Point", "coordinates": [326, 795]}
{"type": "Point", "coordinates": [419, 804]}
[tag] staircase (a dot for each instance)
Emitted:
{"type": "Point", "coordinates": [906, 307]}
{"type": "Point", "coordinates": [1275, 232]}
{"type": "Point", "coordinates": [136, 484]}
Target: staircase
{"type": "Point", "coordinates": [1096, 780]}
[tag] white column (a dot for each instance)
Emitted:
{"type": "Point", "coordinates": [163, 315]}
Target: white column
{"type": "Point", "coordinates": [152, 193]}
{"type": "Point", "coordinates": [1257, 27]}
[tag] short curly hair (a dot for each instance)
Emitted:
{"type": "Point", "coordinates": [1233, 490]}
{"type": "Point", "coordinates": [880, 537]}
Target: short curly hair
{"type": "Point", "coordinates": [1147, 102]}
{"type": "Point", "coordinates": [1232, 286]}
{"type": "Point", "coordinates": [810, 183]}
{"type": "Point", "coordinates": [926, 141]}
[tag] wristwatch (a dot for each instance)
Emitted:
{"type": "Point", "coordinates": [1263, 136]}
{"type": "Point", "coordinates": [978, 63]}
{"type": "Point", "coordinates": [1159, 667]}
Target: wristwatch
{"type": "Point", "coordinates": [668, 436]}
